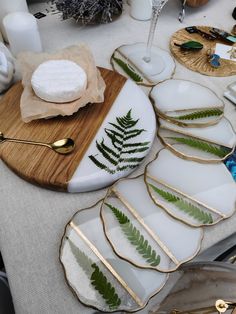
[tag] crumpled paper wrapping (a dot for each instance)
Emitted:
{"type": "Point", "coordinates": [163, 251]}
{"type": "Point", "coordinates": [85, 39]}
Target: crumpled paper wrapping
{"type": "Point", "coordinates": [32, 107]}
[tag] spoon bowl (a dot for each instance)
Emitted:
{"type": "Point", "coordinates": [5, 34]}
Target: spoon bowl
{"type": "Point", "coordinates": [64, 146]}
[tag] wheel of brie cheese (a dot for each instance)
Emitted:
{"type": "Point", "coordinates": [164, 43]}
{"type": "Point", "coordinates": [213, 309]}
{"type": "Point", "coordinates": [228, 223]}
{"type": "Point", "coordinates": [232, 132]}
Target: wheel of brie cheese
{"type": "Point", "coordinates": [59, 81]}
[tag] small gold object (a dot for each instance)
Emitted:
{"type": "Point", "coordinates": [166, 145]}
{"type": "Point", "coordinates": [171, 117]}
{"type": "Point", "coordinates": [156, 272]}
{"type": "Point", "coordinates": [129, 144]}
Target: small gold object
{"type": "Point", "coordinates": [220, 306]}
{"type": "Point", "coordinates": [64, 146]}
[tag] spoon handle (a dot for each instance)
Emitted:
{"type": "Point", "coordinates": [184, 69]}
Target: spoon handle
{"type": "Point", "coordinates": [26, 142]}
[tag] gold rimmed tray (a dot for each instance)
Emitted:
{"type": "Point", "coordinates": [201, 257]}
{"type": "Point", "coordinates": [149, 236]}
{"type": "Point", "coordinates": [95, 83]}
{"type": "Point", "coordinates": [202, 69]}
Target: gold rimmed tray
{"type": "Point", "coordinates": [186, 103]}
{"type": "Point", "coordinates": [98, 277]}
{"type": "Point", "coordinates": [194, 193]}
{"type": "Point", "coordinates": [198, 61]}
{"type": "Point", "coordinates": [144, 234]}
{"type": "Point", "coordinates": [207, 145]}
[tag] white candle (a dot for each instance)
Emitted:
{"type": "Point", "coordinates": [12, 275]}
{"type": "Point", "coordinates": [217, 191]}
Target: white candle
{"type": "Point", "coordinates": [22, 32]}
{"type": "Point", "coordinates": [9, 6]}
{"type": "Point", "coordinates": [141, 9]}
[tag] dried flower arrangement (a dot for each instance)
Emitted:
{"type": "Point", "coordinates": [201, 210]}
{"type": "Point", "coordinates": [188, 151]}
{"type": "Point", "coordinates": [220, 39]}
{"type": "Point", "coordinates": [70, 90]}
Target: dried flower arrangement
{"type": "Point", "coordinates": [89, 11]}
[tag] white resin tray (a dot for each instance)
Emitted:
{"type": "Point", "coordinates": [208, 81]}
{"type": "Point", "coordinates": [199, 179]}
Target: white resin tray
{"type": "Point", "coordinates": [210, 144]}
{"type": "Point", "coordinates": [187, 103]}
{"type": "Point", "coordinates": [197, 194]}
{"type": "Point", "coordinates": [98, 277]}
{"type": "Point", "coordinates": [143, 233]}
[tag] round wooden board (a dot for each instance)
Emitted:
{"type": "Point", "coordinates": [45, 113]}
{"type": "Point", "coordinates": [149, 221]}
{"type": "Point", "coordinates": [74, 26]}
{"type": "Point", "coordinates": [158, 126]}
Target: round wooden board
{"type": "Point", "coordinates": [44, 167]}
{"type": "Point", "coordinates": [199, 61]}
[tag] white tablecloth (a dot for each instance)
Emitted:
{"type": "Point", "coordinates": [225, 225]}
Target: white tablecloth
{"type": "Point", "coordinates": [32, 219]}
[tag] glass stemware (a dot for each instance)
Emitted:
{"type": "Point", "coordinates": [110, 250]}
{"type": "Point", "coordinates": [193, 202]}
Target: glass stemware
{"type": "Point", "coordinates": [157, 6]}
{"type": "Point", "coordinates": [143, 62]}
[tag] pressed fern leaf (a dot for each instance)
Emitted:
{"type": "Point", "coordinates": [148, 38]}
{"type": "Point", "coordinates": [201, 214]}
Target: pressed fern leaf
{"type": "Point", "coordinates": [202, 145]}
{"type": "Point", "coordinates": [121, 154]}
{"type": "Point", "coordinates": [128, 70]}
{"type": "Point", "coordinates": [98, 280]}
{"type": "Point", "coordinates": [81, 258]}
{"type": "Point", "coordinates": [105, 288]}
{"type": "Point", "coordinates": [188, 208]}
{"type": "Point", "coordinates": [135, 237]}
{"type": "Point", "coordinates": [200, 114]}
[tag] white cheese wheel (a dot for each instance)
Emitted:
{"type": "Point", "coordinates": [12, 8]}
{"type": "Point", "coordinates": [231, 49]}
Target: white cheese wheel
{"type": "Point", "coordinates": [59, 81]}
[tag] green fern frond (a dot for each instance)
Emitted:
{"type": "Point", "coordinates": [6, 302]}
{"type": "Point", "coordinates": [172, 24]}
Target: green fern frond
{"type": "Point", "coordinates": [188, 208]}
{"type": "Point", "coordinates": [135, 237]}
{"type": "Point", "coordinates": [101, 165]}
{"type": "Point", "coordinates": [136, 150]}
{"type": "Point", "coordinates": [109, 150]}
{"type": "Point", "coordinates": [81, 258]}
{"type": "Point", "coordinates": [136, 144]}
{"type": "Point", "coordinates": [128, 70]}
{"type": "Point", "coordinates": [113, 155]}
{"type": "Point", "coordinates": [200, 114]}
{"type": "Point", "coordinates": [105, 288]}
{"type": "Point", "coordinates": [202, 145]}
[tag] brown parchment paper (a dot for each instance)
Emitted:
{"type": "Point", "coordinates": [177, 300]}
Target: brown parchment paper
{"type": "Point", "coordinates": [32, 107]}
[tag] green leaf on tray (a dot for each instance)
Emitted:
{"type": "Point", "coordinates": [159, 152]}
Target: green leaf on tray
{"type": "Point", "coordinates": [188, 208]}
{"type": "Point", "coordinates": [218, 151]}
{"type": "Point", "coordinates": [113, 158]}
{"type": "Point", "coordinates": [128, 70]}
{"type": "Point", "coordinates": [135, 237]}
{"type": "Point", "coordinates": [105, 288]}
{"type": "Point", "coordinates": [200, 114]}
{"type": "Point", "coordinates": [97, 278]}
{"type": "Point", "coordinates": [81, 258]}
{"type": "Point", "coordinates": [191, 45]}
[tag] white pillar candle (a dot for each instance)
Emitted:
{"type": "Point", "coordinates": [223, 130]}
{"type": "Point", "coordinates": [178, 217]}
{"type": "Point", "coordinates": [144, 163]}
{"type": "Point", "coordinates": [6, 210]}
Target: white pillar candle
{"type": "Point", "coordinates": [141, 9]}
{"type": "Point", "coordinates": [22, 32]}
{"type": "Point", "coordinates": [9, 6]}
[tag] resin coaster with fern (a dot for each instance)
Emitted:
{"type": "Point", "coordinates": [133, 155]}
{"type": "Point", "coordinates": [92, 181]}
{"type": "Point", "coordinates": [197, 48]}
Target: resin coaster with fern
{"type": "Point", "coordinates": [208, 145]}
{"type": "Point", "coordinates": [97, 276]}
{"type": "Point", "coordinates": [195, 193]}
{"type": "Point", "coordinates": [186, 103]}
{"type": "Point", "coordinates": [142, 233]}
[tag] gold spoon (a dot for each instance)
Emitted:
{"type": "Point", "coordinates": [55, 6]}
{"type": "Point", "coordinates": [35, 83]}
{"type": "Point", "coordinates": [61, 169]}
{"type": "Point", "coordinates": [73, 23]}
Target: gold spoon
{"type": "Point", "coordinates": [64, 146]}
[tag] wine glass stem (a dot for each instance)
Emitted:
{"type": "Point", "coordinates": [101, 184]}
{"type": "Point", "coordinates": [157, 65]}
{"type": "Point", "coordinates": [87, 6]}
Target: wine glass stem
{"type": "Point", "coordinates": [154, 20]}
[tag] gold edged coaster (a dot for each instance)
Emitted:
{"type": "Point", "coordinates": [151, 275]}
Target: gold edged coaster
{"type": "Point", "coordinates": [142, 233]}
{"type": "Point", "coordinates": [201, 145]}
{"type": "Point", "coordinates": [186, 103]}
{"type": "Point", "coordinates": [124, 60]}
{"type": "Point", "coordinates": [194, 193]}
{"type": "Point", "coordinates": [98, 277]}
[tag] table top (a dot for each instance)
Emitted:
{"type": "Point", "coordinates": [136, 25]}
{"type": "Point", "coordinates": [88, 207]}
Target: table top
{"type": "Point", "coordinates": [32, 219]}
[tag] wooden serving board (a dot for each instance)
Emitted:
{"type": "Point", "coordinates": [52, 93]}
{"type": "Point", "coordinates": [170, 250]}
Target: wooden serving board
{"type": "Point", "coordinates": [40, 165]}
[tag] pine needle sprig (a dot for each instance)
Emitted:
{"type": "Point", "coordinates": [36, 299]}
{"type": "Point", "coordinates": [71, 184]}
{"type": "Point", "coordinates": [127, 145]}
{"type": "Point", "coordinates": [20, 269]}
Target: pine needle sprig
{"type": "Point", "coordinates": [105, 288]}
{"type": "Point", "coordinates": [188, 208]}
{"type": "Point", "coordinates": [202, 145]}
{"type": "Point", "coordinates": [128, 70]}
{"type": "Point", "coordinates": [115, 157]}
{"type": "Point", "coordinates": [135, 237]}
{"type": "Point", "coordinates": [200, 114]}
